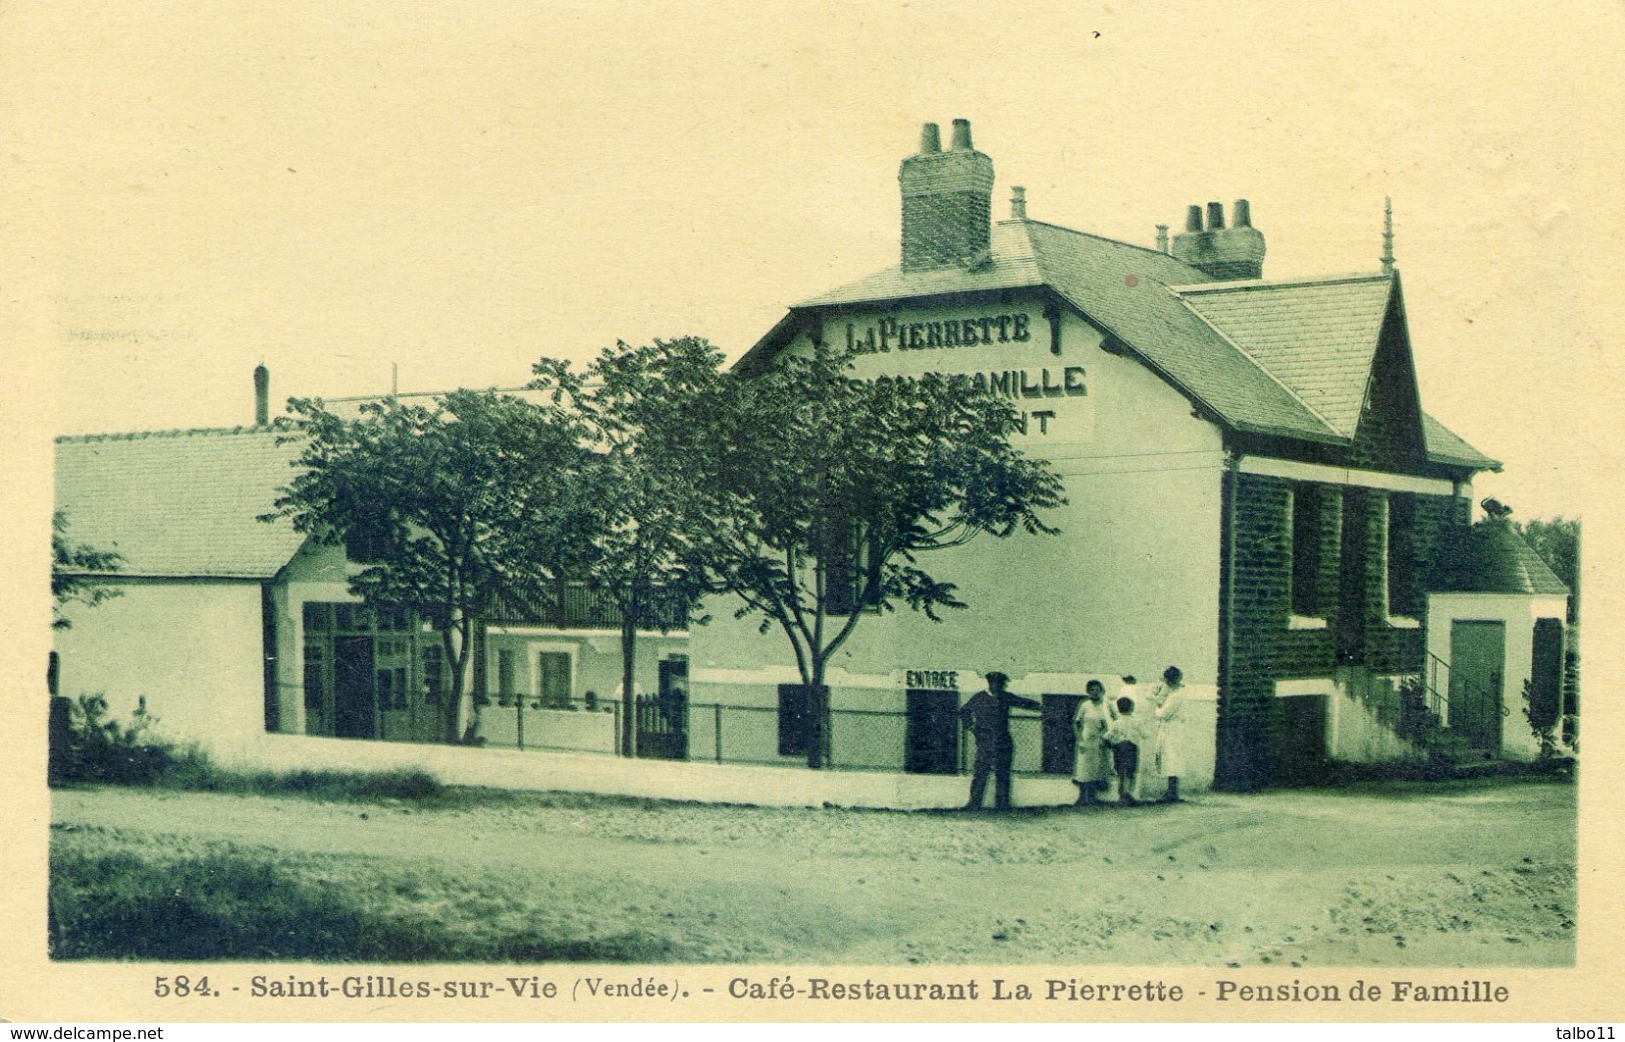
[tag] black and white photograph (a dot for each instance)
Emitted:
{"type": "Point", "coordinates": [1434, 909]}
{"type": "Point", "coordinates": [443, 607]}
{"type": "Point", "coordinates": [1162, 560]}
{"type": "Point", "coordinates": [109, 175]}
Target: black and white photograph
{"type": "Point", "coordinates": [590, 512]}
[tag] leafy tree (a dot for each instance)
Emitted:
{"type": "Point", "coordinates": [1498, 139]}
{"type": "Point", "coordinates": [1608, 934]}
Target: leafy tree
{"type": "Point", "coordinates": [836, 488]}
{"type": "Point", "coordinates": [429, 498]}
{"type": "Point", "coordinates": [649, 418]}
{"type": "Point", "coordinates": [1558, 543]}
{"type": "Point", "coordinates": [78, 572]}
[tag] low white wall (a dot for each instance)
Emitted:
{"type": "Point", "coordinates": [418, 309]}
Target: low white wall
{"type": "Point", "coordinates": [550, 728]}
{"type": "Point", "coordinates": [1359, 736]}
{"type": "Point", "coordinates": [613, 775]}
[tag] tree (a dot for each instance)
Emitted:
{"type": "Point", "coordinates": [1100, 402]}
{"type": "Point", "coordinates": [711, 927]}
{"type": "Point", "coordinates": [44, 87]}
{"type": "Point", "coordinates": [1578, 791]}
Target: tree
{"type": "Point", "coordinates": [649, 416]}
{"type": "Point", "coordinates": [78, 572]}
{"type": "Point", "coordinates": [837, 486]}
{"type": "Point", "coordinates": [1558, 543]}
{"type": "Point", "coordinates": [429, 499]}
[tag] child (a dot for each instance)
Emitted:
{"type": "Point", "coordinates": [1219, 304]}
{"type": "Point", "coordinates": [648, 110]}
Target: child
{"type": "Point", "coordinates": [1125, 737]}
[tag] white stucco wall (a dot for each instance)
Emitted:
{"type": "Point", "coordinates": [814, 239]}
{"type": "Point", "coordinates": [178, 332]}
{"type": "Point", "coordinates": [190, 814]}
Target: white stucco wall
{"type": "Point", "coordinates": [1356, 731]}
{"type": "Point", "coordinates": [1130, 584]}
{"type": "Point", "coordinates": [192, 647]}
{"type": "Point", "coordinates": [1518, 612]}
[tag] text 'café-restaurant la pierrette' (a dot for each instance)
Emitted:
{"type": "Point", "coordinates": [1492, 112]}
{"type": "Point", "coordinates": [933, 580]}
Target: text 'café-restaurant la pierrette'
{"type": "Point", "coordinates": [1255, 494]}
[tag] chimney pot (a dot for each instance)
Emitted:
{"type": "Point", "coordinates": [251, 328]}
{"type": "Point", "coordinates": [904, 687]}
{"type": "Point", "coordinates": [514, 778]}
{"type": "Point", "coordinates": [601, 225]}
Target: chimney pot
{"type": "Point", "coordinates": [947, 202]}
{"type": "Point", "coordinates": [1220, 252]}
{"type": "Point", "coordinates": [930, 139]}
{"type": "Point", "coordinates": [262, 396]}
{"type": "Point", "coordinates": [1162, 238]}
{"type": "Point", "coordinates": [1018, 203]}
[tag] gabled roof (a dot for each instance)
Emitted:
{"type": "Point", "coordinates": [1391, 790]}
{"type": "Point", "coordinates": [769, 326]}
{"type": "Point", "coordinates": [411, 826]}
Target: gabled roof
{"type": "Point", "coordinates": [1493, 558]}
{"type": "Point", "coordinates": [1288, 358]}
{"type": "Point", "coordinates": [1318, 337]}
{"type": "Point", "coordinates": [179, 503]}
{"type": "Point", "coordinates": [1445, 446]}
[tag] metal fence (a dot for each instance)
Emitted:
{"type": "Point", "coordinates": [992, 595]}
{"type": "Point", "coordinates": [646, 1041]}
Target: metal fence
{"type": "Point", "coordinates": [859, 739]}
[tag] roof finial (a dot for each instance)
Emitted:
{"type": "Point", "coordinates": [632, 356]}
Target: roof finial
{"type": "Point", "coordinates": [1387, 235]}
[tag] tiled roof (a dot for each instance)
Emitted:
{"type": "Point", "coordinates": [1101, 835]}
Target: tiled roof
{"type": "Point", "coordinates": [1287, 357]}
{"type": "Point", "coordinates": [1494, 558]}
{"type": "Point", "coordinates": [1445, 446]}
{"type": "Point", "coordinates": [1126, 289]}
{"type": "Point", "coordinates": [1318, 338]}
{"type": "Point", "coordinates": [179, 503]}
{"type": "Point", "coordinates": [1011, 266]}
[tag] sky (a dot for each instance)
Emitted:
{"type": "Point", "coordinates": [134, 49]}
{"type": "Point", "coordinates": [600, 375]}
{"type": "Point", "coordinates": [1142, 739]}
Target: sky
{"type": "Point", "coordinates": [452, 191]}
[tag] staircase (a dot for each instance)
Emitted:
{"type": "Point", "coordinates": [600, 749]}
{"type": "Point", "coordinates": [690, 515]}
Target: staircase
{"type": "Point", "coordinates": [1424, 706]}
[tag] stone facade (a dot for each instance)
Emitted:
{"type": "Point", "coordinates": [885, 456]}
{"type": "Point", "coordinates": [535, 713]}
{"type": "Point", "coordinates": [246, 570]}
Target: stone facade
{"type": "Point", "coordinates": [1352, 631]}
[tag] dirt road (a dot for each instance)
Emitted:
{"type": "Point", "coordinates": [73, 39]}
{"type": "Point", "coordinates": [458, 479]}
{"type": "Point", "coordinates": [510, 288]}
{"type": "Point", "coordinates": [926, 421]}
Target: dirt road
{"type": "Point", "coordinates": [1467, 875]}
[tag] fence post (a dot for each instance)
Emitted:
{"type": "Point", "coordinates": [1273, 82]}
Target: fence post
{"type": "Point", "coordinates": [619, 748]}
{"type": "Point", "coordinates": [716, 712]}
{"type": "Point", "coordinates": [519, 718]}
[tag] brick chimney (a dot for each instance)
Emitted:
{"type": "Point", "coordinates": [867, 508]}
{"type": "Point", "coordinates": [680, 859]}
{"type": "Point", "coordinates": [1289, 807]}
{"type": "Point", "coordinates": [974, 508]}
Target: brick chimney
{"type": "Point", "coordinates": [947, 201]}
{"type": "Point", "coordinates": [262, 395]}
{"type": "Point", "coordinates": [1236, 252]}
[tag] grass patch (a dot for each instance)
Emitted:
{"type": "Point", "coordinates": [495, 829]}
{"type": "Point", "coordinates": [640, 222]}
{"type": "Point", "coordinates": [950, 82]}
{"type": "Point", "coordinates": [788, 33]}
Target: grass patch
{"type": "Point", "coordinates": [115, 898]}
{"type": "Point", "coordinates": [1342, 773]}
{"type": "Point", "coordinates": [200, 775]}
{"type": "Point", "coordinates": [89, 745]}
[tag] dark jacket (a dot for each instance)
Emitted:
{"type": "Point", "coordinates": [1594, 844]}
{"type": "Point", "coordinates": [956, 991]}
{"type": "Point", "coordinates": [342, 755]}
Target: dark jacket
{"type": "Point", "coordinates": [988, 715]}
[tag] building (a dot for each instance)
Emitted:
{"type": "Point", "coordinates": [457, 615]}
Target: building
{"type": "Point", "coordinates": [230, 627]}
{"type": "Point", "coordinates": [1256, 495]}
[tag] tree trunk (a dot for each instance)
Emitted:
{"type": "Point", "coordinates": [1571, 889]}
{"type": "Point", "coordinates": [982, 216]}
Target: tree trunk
{"type": "Point", "coordinates": [453, 707]}
{"type": "Point", "coordinates": [629, 650]}
{"type": "Point", "coordinates": [817, 718]}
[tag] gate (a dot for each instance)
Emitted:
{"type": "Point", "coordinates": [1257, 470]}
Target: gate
{"type": "Point", "coordinates": [662, 726]}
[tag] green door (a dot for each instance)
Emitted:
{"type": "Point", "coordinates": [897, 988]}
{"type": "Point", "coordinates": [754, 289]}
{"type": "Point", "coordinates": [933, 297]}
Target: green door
{"type": "Point", "coordinates": [1477, 665]}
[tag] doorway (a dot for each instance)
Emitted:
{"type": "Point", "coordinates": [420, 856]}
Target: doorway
{"type": "Point", "coordinates": [354, 702]}
{"type": "Point", "coordinates": [1477, 665]}
{"type": "Point", "coordinates": [1301, 752]}
{"type": "Point", "coordinates": [931, 737]}
{"type": "Point", "coordinates": [1060, 739]}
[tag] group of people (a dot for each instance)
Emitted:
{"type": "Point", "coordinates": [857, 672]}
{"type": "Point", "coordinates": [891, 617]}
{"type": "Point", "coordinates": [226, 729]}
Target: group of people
{"type": "Point", "coordinates": [1130, 738]}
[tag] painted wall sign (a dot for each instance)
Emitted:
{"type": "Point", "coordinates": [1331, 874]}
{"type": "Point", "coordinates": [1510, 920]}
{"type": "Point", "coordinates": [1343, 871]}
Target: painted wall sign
{"type": "Point", "coordinates": [894, 334]}
{"type": "Point", "coordinates": [1021, 383]}
{"type": "Point", "coordinates": [932, 679]}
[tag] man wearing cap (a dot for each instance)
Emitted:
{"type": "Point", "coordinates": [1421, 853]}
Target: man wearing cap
{"type": "Point", "coordinates": [987, 716]}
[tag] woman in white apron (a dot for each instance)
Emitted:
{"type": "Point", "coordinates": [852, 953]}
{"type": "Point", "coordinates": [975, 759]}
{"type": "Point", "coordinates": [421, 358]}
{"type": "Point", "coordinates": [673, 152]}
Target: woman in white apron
{"type": "Point", "coordinates": [1171, 745]}
{"type": "Point", "coordinates": [1092, 769]}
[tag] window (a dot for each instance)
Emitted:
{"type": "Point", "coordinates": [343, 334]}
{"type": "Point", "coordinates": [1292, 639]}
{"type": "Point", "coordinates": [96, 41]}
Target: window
{"type": "Point", "coordinates": [433, 661]}
{"type": "Point", "coordinates": [505, 676]}
{"type": "Point", "coordinates": [317, 652]}
{"type": "Point", "coordinates": [851, 568]}
{"type": "Point", "coordinates": [1308, 551]}
{"type": "Point", "coordinates": [1404, 596]}
{"type": "Point", "coordinates": [391, 656]}
{"type": "Point", "coordinates": [553, 678]}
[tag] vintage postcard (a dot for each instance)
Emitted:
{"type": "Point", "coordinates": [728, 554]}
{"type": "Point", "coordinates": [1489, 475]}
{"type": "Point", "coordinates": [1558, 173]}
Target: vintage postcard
{"type": "Point", "coordinates": [801, 512]}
